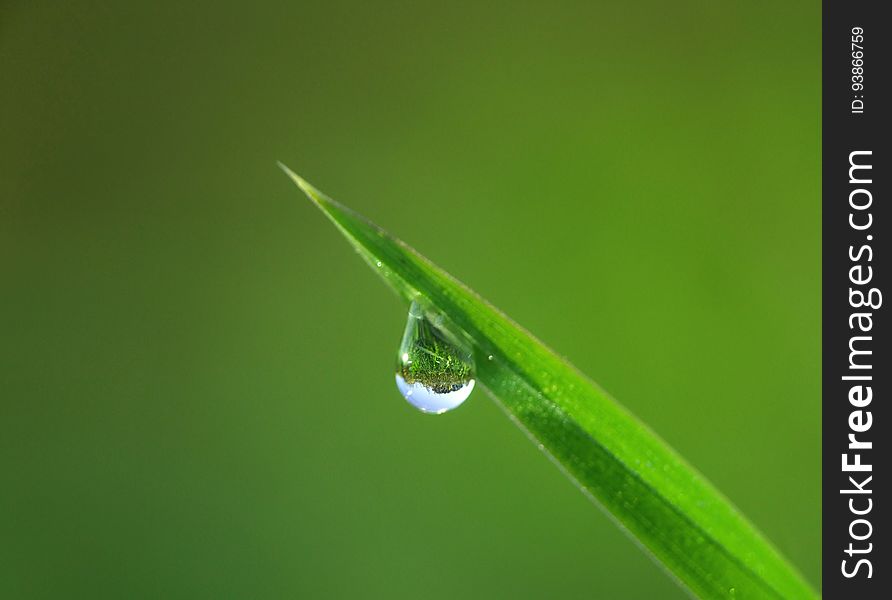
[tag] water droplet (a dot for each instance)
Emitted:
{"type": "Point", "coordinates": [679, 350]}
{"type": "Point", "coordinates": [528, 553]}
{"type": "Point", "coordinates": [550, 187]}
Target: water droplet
{"type": "Point", "coordinates": [432, 373]}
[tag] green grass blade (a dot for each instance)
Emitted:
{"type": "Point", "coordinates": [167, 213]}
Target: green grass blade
{"type": "Point", "coordinates": [650, 490]}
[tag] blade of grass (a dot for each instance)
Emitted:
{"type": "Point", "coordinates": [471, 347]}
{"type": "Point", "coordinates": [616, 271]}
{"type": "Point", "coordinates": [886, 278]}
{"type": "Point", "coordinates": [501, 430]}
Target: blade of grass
{"type": "Point", "coordinates": [663, 502]}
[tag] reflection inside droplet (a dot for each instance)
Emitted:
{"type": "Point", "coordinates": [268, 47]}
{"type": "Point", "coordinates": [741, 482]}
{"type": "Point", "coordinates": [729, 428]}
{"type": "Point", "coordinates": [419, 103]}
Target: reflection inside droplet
{"type": "Point", "coordinates": [432, 373]}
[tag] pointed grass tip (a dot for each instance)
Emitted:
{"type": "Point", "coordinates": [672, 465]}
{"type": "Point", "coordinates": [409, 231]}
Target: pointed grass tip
{"type": "Point", "coordinates": [312, 193]}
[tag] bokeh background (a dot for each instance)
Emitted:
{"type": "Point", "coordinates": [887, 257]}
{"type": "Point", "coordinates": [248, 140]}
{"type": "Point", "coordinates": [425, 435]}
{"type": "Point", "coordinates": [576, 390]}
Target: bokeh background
{"type": "Point", "coordinates": [196, 372]}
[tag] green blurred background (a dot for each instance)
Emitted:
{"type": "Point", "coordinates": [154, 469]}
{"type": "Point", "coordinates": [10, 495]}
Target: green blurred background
{"type": "Point", "coordinates": [196, 372]}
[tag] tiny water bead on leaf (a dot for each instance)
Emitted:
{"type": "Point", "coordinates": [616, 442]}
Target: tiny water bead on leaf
{"type": "Point", "coordinates": [432, 373]}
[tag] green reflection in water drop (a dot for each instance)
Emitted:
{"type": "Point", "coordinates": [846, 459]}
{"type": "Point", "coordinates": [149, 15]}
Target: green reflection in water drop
{"type": "Point", "coordinates": [432, 373]}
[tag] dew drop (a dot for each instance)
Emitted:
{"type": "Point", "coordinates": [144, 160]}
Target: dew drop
{"type": "Point", "coordinates": [432, 373]}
